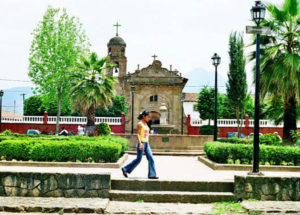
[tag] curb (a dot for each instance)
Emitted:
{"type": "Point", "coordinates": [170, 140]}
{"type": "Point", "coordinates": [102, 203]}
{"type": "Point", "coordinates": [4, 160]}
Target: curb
{"type": "Point", "coordinates": [244, 167]}
{"type": "Point", "coordinates": [118, 164]}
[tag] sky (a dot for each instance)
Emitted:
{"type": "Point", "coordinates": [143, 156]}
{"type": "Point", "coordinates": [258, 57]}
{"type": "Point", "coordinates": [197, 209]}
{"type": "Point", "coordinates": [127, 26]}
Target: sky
{"type": "Point", "coordinates": [184, 33]}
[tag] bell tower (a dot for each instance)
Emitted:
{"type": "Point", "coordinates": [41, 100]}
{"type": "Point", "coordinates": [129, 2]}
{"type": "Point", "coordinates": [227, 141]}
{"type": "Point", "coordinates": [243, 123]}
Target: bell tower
{"type": "Point", "coordinates": [116, 52]}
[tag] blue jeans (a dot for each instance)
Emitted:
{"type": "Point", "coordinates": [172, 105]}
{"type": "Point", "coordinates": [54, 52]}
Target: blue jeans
{"type": "Point", "coordinates": [151, 169]}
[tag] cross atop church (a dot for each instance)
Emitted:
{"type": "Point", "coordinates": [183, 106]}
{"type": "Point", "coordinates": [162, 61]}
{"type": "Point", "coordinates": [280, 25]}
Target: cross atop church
{"type": "Point", "coordinates": [117, 25]}
{"type": "Point", "coordinates": [154, 57]}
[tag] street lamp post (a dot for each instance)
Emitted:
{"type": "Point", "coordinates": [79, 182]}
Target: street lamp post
{"type": "Point", "coordinates": [216, 61]}
{"type": "Point", "coordinates": [1, 94]}
{"type": "Point", "coordinates": [258, 15]}
{"type": "Point", "coordinates": [132, 106]}
{"type": "Point", "coordinates": [182, 100]}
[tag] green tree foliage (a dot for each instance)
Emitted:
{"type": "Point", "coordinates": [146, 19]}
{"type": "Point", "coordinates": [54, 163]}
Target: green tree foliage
{"type": "Point", "coordinates": [58, 41]}
{"type": "Point", "coordinates": [36, 106]}
{"type": "Point", "coordinates": [33, 106]}
{"type": "Point", "coordinates": [115, 110]}
{"type": "Point", "coordinates": [237, 84]}
{"type": "Point", "coordinates": [227, 110]}
{"type": "Point", "coordinates": [280, 61]}
{"type": "Point", "coordinates": [93, 88]}
{"type": "Point", "coordinates": [205, 104]}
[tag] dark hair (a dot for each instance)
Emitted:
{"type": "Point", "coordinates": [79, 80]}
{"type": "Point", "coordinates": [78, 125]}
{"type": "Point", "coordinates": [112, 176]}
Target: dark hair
{"type": "Point", "coordinates": [144, 113]}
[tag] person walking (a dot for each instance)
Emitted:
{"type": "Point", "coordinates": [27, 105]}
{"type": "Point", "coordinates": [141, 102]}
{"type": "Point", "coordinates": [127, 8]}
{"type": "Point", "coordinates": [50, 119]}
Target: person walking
{"type": "Point", "coordinates": [142, 146]}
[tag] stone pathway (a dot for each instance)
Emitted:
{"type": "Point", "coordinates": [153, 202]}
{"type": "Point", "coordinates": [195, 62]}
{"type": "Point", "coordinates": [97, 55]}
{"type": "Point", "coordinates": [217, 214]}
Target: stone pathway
{"type": "Point", "coordinates": [51, 205]}
{"type": "Point", "coordinates": [272, 207]}
{"type": "Point", "coordinates": [84, 206]}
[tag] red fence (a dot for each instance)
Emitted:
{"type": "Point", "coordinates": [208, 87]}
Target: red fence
{"type": "Point", "coordinates": [45, 126]}
{"type": "Point", "coordinates": [223, 130]}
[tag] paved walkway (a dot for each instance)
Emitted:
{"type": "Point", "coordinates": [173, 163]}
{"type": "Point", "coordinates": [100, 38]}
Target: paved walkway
{"type": "Point", "coordinates": [28, 205]}
{"type": "Point", "coordinates": [176, 168]}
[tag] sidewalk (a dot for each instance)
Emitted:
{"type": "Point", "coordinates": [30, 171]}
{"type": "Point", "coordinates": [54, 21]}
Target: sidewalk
{"type": "Point", "coordinates": [171, 168]}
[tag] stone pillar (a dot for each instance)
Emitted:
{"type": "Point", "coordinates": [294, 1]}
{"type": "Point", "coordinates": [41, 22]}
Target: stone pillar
{"type": "Point", "coordinates": [45, 117]}
{"type": "Point", "coordinates": [247, 121]}
{"type": "Point", "coordinates": [123, 122]}
{"type": "Point", "coordinates": [188, 123]}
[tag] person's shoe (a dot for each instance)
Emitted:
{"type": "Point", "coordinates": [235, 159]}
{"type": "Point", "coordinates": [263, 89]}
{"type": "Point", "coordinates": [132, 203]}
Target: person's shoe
{"type": "Point", "coordinates": [124, 173]}
{"type": "Point", "coordinates": [154, 177]}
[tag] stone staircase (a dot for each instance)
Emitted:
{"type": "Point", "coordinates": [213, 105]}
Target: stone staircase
{"type": "Point", "coordinates": [171, 191]}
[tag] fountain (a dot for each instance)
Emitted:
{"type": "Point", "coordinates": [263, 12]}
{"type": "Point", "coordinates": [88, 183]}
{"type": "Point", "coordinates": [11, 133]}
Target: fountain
{"type": "Point", "coordinates": [163, 127]}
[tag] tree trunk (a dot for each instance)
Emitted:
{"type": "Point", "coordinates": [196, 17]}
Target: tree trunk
{"type": "Point", "coordinates": [58, 113]}
{"type": "Point", "coordinates": [289, 118]}
{"type": "Point", "coordinates": [91, 119]}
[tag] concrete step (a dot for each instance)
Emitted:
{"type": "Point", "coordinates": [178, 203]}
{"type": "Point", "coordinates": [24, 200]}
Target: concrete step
{"type": "Point", "coordinates": [159, 185]}
{"type": "Point", "coordinates": [51, 205]}
{"type": "Point", "coordinates": [171, 196]}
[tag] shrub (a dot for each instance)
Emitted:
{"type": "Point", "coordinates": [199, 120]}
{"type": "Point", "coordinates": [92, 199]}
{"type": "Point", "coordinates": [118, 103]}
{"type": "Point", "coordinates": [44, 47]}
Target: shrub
{"type": "Point", "coordinates": [222, 152]}
{"type": "Point", "coordinates": [236, 140]}
{"type": "Point", "coordinates": [74, 148]}
{"type": "Point", "coordinates": [207, 130]}
{"type": "Point", "coordinates": [270, 139]}
{"type": "Point", "coordinates": [103, 129]}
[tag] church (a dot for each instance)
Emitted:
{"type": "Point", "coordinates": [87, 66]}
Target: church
{"type": "Point", "coordinates": [153, 88]}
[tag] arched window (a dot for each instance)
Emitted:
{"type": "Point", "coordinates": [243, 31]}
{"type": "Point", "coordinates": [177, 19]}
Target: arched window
{"type": "Point", "coordinates": [154, 98]}
{"type": "Point", "coordinates": [122, 51]}
{"type": "Point", "coordinates": [109, 51]}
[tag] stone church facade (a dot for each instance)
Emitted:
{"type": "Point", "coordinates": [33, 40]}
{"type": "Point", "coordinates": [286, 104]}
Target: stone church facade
{"type": "Point", "coordinates": [156, 89]}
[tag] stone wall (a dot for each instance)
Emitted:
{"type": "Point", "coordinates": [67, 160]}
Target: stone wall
{"type": "Point", "coordinates": [170, 142]}
{"type": "Point", "coordinates": [54, 184]}
{"type": "Point", "coordinates": [267, 188]}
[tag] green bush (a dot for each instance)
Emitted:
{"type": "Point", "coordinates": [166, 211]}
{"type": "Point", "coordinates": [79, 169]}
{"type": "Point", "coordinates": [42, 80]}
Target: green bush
{"type": "Point", "coordinates": [103, 129]}
{"type": "Point", "coordinates": [206, 130]}
{"type": "Point", "coordinates": [58, 148]}
{"type": "Point", "coordinates": [236, 140]}
{"type": "Point", "coordinates": [270, 139]}
{"type": "Point", "coordinates": [275, 155]}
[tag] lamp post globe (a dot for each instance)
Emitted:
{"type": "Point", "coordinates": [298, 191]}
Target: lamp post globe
{"type": "Point", "coordinates": [216, 60]}
{"type": "Point", "coordinates": [258, 12]}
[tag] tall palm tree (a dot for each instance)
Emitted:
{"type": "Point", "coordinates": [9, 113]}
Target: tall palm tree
{"type": "Point", "coordinates": [94, 87]}
{"type": "Point", "coordinates": [280, 60]}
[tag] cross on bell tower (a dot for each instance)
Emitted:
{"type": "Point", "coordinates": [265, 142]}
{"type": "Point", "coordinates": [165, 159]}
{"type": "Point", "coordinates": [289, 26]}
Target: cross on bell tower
{"type": "Point", "coordinates": [154, 57]}
{"type": "Point", "coordinates": [117, 25]}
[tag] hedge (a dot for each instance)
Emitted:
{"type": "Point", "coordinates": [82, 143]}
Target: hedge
{"type": "Point", "coordinates": [266, 139]}
{"type": "Point", "coordinates": [274, 155]}
{"type": "Point", "coordinates": [58, 148]}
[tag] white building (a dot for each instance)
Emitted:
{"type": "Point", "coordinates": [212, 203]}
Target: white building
{"type": "Point", "coordinates": [189, 105]}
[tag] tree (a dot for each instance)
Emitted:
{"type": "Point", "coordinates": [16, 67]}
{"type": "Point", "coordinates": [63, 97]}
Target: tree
{"type": "Point", "coordinates": [115, 110]}
{"type": "Point", "coordinates": [237, 84]}
{"type": "Point", "coordinates": [205, 104]}
{"type": "Point", "coordinates": [33, 105]}
{"type": "Point", "coordinates": [280, 61]}
{"type": "Point", "coordinates": [58, 41]}
{"type": "Point", "coordinates": [36, 106]}
{"type": "Point", "coordinates": [93, 88]}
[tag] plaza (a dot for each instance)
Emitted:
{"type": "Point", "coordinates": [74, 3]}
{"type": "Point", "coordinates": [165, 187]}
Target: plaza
{"type": "Point", "coordinates": [207, 90]}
